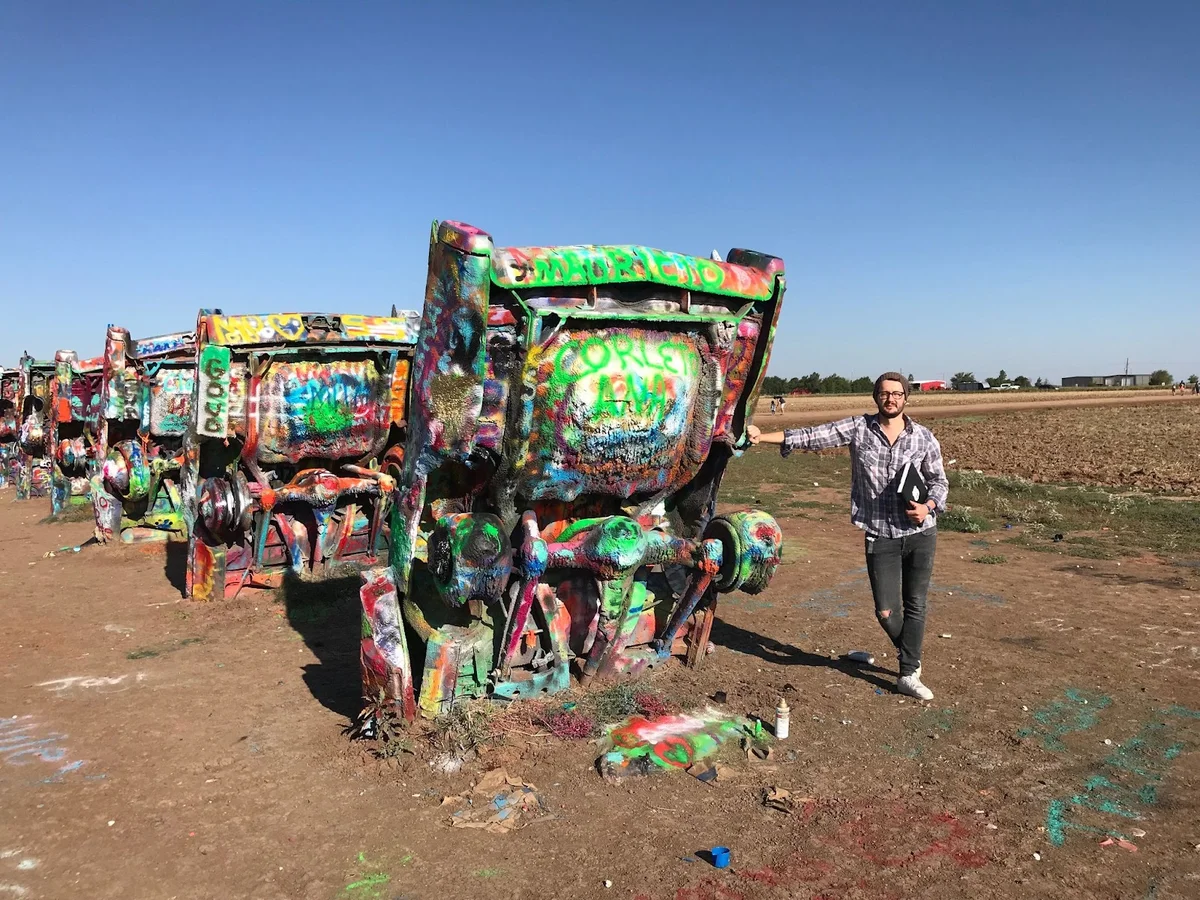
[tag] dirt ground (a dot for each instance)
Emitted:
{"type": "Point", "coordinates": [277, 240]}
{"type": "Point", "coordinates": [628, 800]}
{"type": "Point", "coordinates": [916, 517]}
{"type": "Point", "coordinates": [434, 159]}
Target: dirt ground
{"type": "Point", "coordinates": [157, 748]}
{"type": "Point", "coordinates": [808, 409]}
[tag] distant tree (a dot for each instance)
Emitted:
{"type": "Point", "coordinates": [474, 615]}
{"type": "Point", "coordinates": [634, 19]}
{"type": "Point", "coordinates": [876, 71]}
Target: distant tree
{"type": "Point", "coordinates": [961, 378]}
{"type": "Point", "coordinates": [1192, 379]}
{"type": "Point", "coordinates": [999, 379]}
{"type": "Point", "coordinates": [773, 384]}
{"type": "Point", "coordinates": [911, 378]}
{"type": "Point", "coordinates": [862, 385]}
{"type": "Point", "coordinates": [811, 383]}
{"type": "Point", "coordinates": [835, 384]}
{"type": "Point", "coordinates": [1021, 381]}
{"type": "Point", "coordinates": [1161, 376]}
{"type": "Point", "coordinates": [1038, 383]}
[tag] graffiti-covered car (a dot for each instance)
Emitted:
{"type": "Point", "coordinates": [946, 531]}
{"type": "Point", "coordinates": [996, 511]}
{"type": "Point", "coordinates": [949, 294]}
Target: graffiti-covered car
{"type": "Point", "coordinates": [572, 412]}
{"type": "Point", "coordinates": [10, 424]}
{"type": "Point", "coordinates": [33, 457]}
{"type": "Point", "coordinates": [146, 413]}
{"type": "Point", "coordinates": [297, 438]}
{"type": "Point", "coordinates": [73, 428]}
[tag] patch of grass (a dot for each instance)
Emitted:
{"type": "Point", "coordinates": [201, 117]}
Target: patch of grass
{"type": "Point", "coordinates": [74, 512]}
{"type": "Point", "coordinates": [1035, 513]}
{"type": "Point", "coordinates": [1027, 542]}
{"type": "Point", "coordinates": [142, 653]}
{"type": "Point", "coordinates": [1126, 524]}
{"type": "Point", "coordinates": [962, 519]}
{"type": "Point", "coordinates": [1087, 551]}
{"type": "Point", "coordinates": [465, 728]}
{"type": "Point", "coordinates": [614, 703]}
{"type": "Point", "coordinates": [759, 472]}
{"type": "Point", "coordinates": [1134, 523]}
{"type": "Point", "coordinates": [991, 559]}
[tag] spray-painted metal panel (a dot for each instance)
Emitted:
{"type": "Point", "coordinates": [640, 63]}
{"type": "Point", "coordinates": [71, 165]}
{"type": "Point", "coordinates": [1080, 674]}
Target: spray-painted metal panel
{"type": "Point", "coordinates": [10, 424]}
{"type": "Point", "coordinates": [73, 428]}
{"type": "Point", "coordinates": [31, 472]}
{"type": "Point", "coordinates": [296, 442]}
{"type": "Point", "coordinates": [571, 413]}
{"type": "Point", "coordinates": [146, 399]}
{"type": "Point", "coordinates": [212, 398]}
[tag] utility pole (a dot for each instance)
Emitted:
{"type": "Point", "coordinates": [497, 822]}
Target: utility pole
{"type": "Point", "coordinates": [1127, 365]}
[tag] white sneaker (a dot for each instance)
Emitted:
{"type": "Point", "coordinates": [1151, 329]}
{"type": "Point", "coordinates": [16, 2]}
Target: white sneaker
{"type": "Point", "coordinates": [911, 685]}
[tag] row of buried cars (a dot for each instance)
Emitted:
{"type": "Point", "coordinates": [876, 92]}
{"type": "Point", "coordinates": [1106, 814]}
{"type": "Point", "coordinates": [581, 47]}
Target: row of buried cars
{"type": "Point", "coordinates": [525, 473]}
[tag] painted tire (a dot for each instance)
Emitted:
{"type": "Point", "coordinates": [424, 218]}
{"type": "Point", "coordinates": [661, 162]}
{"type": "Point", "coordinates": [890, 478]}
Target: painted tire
{"type": "Point", "coordinates": [752, 545]}
{"type": "Point", "coordinates": [470, 557]}
{"type": "Point", "coordinates": [126, 474]}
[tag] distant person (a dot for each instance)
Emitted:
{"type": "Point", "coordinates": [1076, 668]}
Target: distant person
{"type": "Point", "coordinates": [772, 406]}
{"type": "Point", "coordinates": [782, 405]}
{"type": "Point", "coordinates": [900, 538]}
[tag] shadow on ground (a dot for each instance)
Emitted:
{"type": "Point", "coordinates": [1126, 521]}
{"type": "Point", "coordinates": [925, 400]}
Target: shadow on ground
{"type": "Point", "coordinates": [175, 565]}
{"type": "Point", "coordinates": [773, 651]}
{"type": "Point", "coordinates": [327, 615]}
{"type": "Point", "coordinates": [1180, 582]}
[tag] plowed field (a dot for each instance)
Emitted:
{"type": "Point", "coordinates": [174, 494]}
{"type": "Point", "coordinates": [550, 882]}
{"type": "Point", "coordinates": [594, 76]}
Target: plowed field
{"type": "Point", "coordinates": [1152, 448]}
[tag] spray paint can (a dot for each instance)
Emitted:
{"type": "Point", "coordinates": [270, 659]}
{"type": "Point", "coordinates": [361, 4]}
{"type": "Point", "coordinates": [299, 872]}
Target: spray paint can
{"type": "Point", "coordinates": [783, 719]}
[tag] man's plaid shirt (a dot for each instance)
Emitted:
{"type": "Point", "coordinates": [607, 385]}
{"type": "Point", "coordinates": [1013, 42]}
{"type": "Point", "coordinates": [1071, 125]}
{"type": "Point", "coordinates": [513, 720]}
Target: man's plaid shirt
{"type": "Point", "coordinates": [875, 507]}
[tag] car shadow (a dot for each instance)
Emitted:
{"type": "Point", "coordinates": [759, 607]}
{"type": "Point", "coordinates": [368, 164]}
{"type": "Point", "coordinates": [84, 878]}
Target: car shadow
{"type": "Point", "coordinates": [175, 565]}
{"type": "Point", "coordinates": [328, 617]}
{"type": "Point", "coordinates": [773, 651]}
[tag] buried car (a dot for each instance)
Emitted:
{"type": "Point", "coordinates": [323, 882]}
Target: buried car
{"type": "Point", "coordinates": [295, 443]}
{"type": "Point", "coordinates": [10, 424]}
{"type": "Point", "coordinates": [73, 428]}
{"type": "Point", "coordinates": [32, 469]}
{"type": "Point", "coordinates": [572, 413]}
{"type": "Point", "coordinates": [146, 412]}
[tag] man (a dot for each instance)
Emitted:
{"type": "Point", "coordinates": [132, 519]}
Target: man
{"type": "Point", "coordinates": [900, 537]}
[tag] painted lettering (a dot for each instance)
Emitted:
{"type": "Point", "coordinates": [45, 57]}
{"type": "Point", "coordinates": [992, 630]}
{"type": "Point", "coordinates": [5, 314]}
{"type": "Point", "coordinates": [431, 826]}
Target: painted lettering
{"type": "Point", "coordinates": [563, 266]}
{"type": "Point", "coordinates": [213, 386]}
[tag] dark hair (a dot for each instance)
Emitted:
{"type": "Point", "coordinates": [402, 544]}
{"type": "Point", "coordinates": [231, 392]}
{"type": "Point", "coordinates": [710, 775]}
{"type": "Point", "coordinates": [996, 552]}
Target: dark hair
{"type": "Point", "coordinates": [890, 376]}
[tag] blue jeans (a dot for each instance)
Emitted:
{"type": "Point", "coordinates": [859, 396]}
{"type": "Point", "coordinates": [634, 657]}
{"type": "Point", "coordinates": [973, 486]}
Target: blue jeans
{"type": "Point", "coordinates": [900, 570]}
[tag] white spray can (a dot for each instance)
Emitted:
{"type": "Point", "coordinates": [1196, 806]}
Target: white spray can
{"type": "Point", "coordinates": [783, 719]}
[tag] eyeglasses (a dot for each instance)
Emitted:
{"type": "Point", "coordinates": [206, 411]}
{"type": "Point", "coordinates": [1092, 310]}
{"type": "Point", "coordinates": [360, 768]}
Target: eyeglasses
{"type": "Point", "coordinates": [895, 395]}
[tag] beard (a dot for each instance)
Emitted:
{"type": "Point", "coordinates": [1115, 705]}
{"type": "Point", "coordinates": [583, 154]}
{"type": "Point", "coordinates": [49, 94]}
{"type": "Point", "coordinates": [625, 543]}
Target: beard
{"type": "Point", "coordinates": [894, 414]}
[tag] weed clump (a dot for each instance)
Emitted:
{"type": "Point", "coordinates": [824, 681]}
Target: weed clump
{"type": "Point", "coordinates": [962, 519]}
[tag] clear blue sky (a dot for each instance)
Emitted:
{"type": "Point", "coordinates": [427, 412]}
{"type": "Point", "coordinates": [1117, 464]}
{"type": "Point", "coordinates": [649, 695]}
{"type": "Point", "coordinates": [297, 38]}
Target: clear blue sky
{"type": "Point", "coordinates": [953, 186]}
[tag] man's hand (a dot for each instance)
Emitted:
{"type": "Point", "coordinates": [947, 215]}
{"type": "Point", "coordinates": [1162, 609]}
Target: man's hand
{"type": "Point", "coordinates": [917, 512]}
{"type": "Point", "coordinates": [753, 433]}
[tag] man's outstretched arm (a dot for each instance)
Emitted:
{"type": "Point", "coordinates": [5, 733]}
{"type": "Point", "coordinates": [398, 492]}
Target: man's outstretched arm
{"type": "Point", "coordinates": [814, 437]}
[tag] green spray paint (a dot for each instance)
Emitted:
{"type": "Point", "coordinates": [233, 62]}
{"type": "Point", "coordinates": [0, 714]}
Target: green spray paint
{"type": "Point", "coordinates": [1133, 773]}
{"type": "Point", "coordinates": [329, 416]}
{"type": "Point", "coordinates": [1079, 712]}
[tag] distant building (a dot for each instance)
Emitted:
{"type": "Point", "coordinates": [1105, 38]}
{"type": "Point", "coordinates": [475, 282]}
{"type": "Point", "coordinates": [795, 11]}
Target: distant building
{"type": "Point", "coordinates": [929, 384]}
{"type": "Point", "coordinates": [970, 386]}
{"type": "Point", "coordinates": [1106, 381]}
